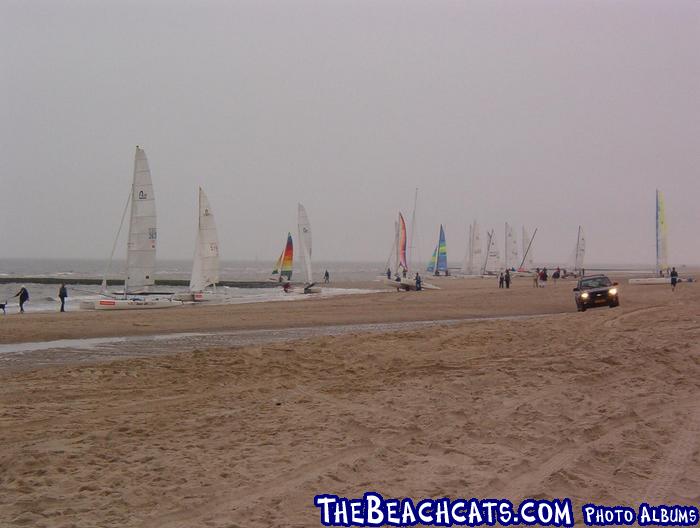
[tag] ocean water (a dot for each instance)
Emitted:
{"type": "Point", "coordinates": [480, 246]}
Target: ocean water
{"type": "Point", "coordinates": [44, 297]}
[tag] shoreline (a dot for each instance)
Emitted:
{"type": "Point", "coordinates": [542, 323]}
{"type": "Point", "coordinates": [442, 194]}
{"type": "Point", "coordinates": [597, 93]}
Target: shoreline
{"type": "Point", "coordinates": [456, 299]}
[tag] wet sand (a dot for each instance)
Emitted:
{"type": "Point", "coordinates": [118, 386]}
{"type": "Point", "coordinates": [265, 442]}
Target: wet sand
{"type": "Point", "coordinates": [600, 406]}
{"type": "Point", "coordinates": [458, 298]}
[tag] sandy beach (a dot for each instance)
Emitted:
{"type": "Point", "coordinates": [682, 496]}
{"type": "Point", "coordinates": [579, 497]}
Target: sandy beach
{"type": "Point", "coordinates": [600, 406]}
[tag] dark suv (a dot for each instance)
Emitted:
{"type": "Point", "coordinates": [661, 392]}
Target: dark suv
{"type": "Point", "coordinates": [596, 290]}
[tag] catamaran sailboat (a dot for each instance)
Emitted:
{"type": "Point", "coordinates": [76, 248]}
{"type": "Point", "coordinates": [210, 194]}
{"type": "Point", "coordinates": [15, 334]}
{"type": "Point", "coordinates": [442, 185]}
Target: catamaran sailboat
{"type": "Point", "coordinates": [579, 253]}
{"type": "Point", "coordinates": [399, 281]}
{"type": "Point", "coordinates": [205, 265]}
{"type": "Point", "coordinates": [511, 248]}
{"type": "Point", "coordinates": [492, 261]}
{"type": "Point", "coordinates": [473, 262]}
{"type": "Point", "coordinates": [661, 247]}
{"type": "Point", "coordinates": [438, 261]}
{"type": "Point", "coordinates": [283, 268]}
{"type": "Point", "coordinates": [526, 264]}
{"type": "Point", "coordinates": [305, 249]}
{"type": "Point", "coordinates": [141, 247]}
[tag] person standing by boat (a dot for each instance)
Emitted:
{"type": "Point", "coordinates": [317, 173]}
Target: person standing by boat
{"type": "Point", "coordinates": [536, 279]}
{"type": "Point", "coordinates": [62, 294]}
{"type": "Point", "coordinates": [419, 282]}
{"type": "Point", "coordinates": [507, 279]}
{"type": "Point", "coordinates": [674, 279]}
{"type": "Point", "coordinates": [388, 273]}
{"type": "Point", "coordinates": [326, 277]}
{"type": "Point", "coordinates": [23, 295]}
{"type": "Point", "coordinates": [501, 280]}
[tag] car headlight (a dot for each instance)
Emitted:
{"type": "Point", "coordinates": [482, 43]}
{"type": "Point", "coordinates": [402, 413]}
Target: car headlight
{"type": "Point", "coordinates": [612, 291]}
{"type": "Point", "coordinates": [584, 295]}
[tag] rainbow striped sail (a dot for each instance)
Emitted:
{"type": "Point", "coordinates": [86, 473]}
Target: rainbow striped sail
{"type": "Point", "coordinates": [284, 263]}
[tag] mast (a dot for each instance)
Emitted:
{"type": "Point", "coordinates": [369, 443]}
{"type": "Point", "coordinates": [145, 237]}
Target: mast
{"type": "Point", "coordinates": [470, 250]}
{"type": "Point", "coordinates": [578, 243]}
{"type": "Point", "coordinates": [396, 243]}
{"type": "Point", "coordinates": [658, 253]}
{"type": "Point", "coordinates": [505, 242]}
{"type": "Point", "coordinates": [488, 250]}
{"type": "Point", "coordinates": [522, 263]}
{"type": "Point", "coordinates": [411, 262]}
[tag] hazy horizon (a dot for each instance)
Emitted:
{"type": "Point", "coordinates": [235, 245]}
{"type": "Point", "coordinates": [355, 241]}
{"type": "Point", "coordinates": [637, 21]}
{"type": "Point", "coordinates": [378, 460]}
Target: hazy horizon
{"type": "Point", "coordinates": [546, 114]}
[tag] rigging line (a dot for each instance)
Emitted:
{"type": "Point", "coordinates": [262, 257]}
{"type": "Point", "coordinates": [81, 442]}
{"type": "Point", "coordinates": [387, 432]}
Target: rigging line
{"type": "Point", "coordinates": [114, 246]}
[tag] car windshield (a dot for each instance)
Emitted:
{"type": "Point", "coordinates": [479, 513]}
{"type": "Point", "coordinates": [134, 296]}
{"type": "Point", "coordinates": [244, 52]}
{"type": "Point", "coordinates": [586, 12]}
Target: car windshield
{"type": "Point", "coordinates": [595, 282]}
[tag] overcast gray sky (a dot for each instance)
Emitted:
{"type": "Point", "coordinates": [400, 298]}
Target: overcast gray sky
{"type": "Point", "coordinates": [543, 113]}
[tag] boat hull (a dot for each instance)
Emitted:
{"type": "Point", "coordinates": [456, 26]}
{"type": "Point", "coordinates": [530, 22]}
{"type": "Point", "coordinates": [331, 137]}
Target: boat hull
{"type": "Point", "coordinates": [657, 280]}
{"type": "Point", "coordinates": [134, 304]}
{"type": "Point", "coordinates": [408, 284]}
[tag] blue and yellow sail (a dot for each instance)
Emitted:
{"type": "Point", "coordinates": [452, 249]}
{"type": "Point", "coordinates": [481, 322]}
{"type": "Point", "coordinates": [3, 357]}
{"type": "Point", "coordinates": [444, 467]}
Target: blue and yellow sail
{"type": "Point", "coordinates": [438, 262]}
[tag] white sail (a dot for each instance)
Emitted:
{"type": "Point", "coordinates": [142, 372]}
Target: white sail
{"type": "Point", "coordinates": [141, 246]}
{"type": "Point", "coordinates": [511, 249]}
{"type": "Point", "coordinates": [474, 262]}
{"type": "Point", "coordinates": [528, 250]}
{"type": "Point", "coordinates": [661, 234]}
{"type": "Point", "coordinates": [492, 263]}
{"type": "Point", "coordinates": [580, 251]}
{"type": "Point", "coordinates": [305, 242]}
{"type": "Point", "coordinates": [477, 251]}
{"type": "Point", "coordinates": [205, 267]}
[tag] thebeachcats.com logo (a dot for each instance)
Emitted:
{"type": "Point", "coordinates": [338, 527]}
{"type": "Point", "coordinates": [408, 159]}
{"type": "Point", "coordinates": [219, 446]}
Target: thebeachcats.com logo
{"type": "Point", "coordinates": [374, 510]}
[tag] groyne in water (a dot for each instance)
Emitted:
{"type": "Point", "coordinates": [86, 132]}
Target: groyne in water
{"type": "Point", "coordinates": [118, 282]}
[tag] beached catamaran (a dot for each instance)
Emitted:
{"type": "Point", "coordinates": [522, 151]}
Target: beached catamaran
{"type": "Point", "coordinates": [305, 249]}
{"type": "Point", "coordinates": [579, 252]}
{"type": "Point", "coordinates": [511, 248]}
{"type": "Point", "coordinates": [526, 264]}
{"type": "Point", "coordinates": [205, 265]}
{"type": "Point", "coordinates": [283, 267]}
{"type": "Point", "coordinates": [438, 262]}
{"type": "Point", "coordinates": [473, 264]}
{"type": "Point", "coordinates": [492, 261]}
{"type": "Point", "coordinates": [661, 248]}
{"type": "Point", "coordinates": [400, 267]}
{"type": "Point", "coordinates": [141, 247]}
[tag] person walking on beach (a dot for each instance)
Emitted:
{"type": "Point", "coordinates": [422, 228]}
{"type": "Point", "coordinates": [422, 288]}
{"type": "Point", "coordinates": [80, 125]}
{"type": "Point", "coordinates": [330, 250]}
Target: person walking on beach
{"type": "Point", "coordinates": [388, 273]}
{"type": "Point", "coordinates": [536, 279]}
{"type": "Point", "coordinates": [62, 294]}
{"type": "Point", "coordinates": [23, 295]}
{"type": "Point", "coordinates": [501, 280]}
{"type": "Point", "coordinates": [507, 279]}
{"type": "Point", "coordinates": [556, 275]}
{"type": "Point", "coordinates": [326, 277]}
{"type": "Point", "coordinates": [674, 279]}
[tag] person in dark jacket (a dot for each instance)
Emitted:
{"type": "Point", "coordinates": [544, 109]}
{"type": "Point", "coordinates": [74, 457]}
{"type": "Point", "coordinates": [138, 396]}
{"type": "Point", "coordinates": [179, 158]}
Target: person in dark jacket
{"type": "Point", "coordinates": [501, 280]}
{"type": "Point", "coordinates": [62, 294]}
{"type": "Point", "coordinates": [674, 279]}
{"type": "Point", "coordinates": [507, 278]}
{"type": "Point", "coordinates": [23, 295]}
{"type": "Point", "coordinates": [419, 282]}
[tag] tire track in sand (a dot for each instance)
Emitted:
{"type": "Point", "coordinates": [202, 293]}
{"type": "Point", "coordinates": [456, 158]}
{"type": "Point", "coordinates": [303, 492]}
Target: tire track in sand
{"type": "Point", "coordinates": [676, 460]}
